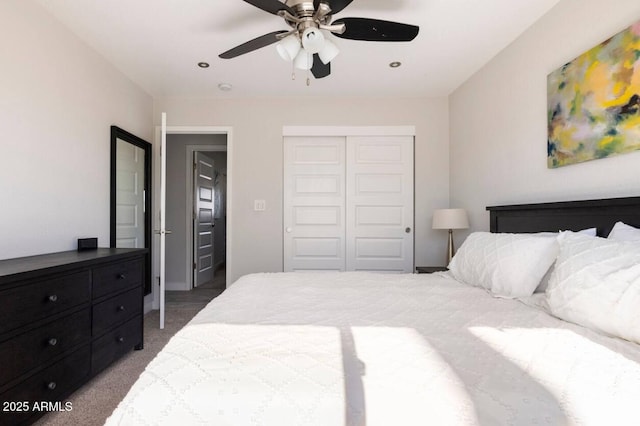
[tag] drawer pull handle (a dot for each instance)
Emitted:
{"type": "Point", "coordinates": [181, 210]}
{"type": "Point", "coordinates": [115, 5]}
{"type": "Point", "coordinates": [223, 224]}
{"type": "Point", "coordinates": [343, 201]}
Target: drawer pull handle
{"type": "Point", "coordinates": [121, 276]}
{"type": "Point", "coordinates": [53, 341]}
{"type": "Point", "coordinates": [53, 298]}
{"type": "Point", "coordinates": [51, 385]}
{"type": "Point", "coordinates": [121, 308]}
{"type": "Point", "coordinates": [120, 339]}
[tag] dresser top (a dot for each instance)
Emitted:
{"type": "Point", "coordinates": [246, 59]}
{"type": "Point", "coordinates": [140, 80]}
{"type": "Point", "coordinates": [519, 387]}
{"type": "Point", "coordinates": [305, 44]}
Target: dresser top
{"type": "Point", "coordinates": [24, 267]}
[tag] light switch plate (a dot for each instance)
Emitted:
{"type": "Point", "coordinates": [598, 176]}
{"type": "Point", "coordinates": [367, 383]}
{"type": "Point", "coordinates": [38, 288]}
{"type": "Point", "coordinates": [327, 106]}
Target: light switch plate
{"type": "Point", "coordinates": [259, 205]}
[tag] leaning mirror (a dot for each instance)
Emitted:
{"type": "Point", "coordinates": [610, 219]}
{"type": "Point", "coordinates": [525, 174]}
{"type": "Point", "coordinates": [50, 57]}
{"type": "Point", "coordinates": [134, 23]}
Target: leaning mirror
{"type": "Point", "coordinates": [131, 194]}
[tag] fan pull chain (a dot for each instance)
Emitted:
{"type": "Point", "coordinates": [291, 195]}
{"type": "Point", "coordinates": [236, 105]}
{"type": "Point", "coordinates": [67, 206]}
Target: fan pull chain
{"type": "Point", "coordinates": [308, 77]}
{"type": "Point", "coordinates": [293, 71]}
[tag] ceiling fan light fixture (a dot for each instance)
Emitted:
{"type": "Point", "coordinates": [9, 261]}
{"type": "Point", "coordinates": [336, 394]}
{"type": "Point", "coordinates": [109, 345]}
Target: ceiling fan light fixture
{"type": "Point", "coordinates": [313, 40]}
{"type": "Point", "coordinates": [312, 27]}
{"type": "Point", "coordinates": [304, 60]}
{"type": "Point", "coordinates": [329, 52]}
{"type": "Point", "coordinates": [288, 47]}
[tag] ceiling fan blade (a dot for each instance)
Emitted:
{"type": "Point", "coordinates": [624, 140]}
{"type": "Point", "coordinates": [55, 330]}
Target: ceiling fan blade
{"type": "Point", "coordinates": [376, 30]}
{"type": "Point", "coordinates": [319, 68]}
{"type": "Point", "coordinates": [252, 45]}
{"type": "Point", "coordinates": [271, 6]}
{"type": "Point", "coordinates": [335, 5]}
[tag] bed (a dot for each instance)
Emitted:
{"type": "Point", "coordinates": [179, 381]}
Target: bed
{"type": "Point", "coordinates": [363, 348]}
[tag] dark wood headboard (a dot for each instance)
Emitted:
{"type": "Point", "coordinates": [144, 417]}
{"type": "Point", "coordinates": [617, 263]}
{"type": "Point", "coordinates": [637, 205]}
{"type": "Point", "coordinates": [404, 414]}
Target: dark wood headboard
{"type": "Point", "coordinates": [566, 215]}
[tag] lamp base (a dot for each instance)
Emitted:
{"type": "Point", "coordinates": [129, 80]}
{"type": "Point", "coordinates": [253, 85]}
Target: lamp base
{"type": "Point", "coordinates": [450, 249]}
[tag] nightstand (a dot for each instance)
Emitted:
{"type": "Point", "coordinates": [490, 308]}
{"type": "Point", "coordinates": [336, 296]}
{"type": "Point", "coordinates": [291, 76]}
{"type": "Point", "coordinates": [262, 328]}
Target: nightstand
{"type": "Point", "coordinates": [430, 269]}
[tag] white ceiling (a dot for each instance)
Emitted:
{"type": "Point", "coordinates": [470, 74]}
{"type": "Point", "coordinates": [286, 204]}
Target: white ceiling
{"type": "Point", "coordinates": [157, 43]}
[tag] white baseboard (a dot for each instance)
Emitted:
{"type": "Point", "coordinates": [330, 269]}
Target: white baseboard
{"type": "Point", "coordinates": [148, 303]}
{"type": "Point", "coordinates": [176, 286]}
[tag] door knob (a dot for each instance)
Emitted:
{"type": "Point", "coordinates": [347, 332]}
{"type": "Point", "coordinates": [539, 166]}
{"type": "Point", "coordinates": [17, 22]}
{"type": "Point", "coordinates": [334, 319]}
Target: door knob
{"type": "Point", "coordinates": [289, 229]}
{"type": "Point", "coordinates": [407, 230]}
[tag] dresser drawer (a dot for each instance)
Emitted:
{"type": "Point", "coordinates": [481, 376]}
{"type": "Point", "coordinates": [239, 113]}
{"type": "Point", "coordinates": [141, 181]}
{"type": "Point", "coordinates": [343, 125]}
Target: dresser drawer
{"type": "Point", "coordinates": [116, 343]}
{"type": "Point", "coordinates": [51, 384]}
{"type": "Point", "coordinates": [116, 310]}
{"type": "Point", "coordinates": [116, 276]}
{"type": "Point", "coordinates": [37, 347]}
{"type": "Point", "coordinates": [32, 302]}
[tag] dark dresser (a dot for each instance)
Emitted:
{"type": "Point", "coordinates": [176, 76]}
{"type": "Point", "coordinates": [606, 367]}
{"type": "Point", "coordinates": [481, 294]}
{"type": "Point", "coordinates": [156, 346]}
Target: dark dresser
{"type": "Point", "coordinates": [64, 317]}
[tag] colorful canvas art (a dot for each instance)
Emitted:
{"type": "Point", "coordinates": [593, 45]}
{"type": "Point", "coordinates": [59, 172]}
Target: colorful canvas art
{"type": "Point", "coordinates": [594, 102]}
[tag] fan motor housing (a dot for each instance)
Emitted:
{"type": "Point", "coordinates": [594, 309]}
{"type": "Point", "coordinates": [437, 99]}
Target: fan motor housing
{"type": "Point", "coordinates": [303, 8]}
{"type": "Point", "coordinates": [306, 16]}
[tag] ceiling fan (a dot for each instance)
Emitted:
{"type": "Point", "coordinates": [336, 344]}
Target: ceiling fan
{"type": "Point", "coordinates": [306, 45]}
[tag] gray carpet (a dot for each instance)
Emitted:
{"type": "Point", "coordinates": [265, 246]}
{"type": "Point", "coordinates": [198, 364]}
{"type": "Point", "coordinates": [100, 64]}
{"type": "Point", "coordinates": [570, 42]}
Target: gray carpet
{"type": "Point", "coordinates": [97, 399]}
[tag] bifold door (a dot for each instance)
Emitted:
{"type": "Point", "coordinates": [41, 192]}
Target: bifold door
{"type": "Point", "coordinates": [348, 203]}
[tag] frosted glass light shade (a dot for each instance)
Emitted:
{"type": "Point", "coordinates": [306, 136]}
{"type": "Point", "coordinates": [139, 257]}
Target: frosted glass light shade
{"type": "Point", "coordinates": [328, 52]}
{"type": "Point", "coordinates": [450, 219]}
{"type": "Point", "coordinates": [289, 47]}
{"type": "Point", "coordinates": [312, 40]}
{"type": "Point", "coordinates": [304, 60]}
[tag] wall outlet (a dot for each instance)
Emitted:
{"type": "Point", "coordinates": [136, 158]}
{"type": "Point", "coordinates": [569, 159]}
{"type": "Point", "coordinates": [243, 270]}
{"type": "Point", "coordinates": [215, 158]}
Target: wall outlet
{"type": "Point", "coordinates": [259, 205]}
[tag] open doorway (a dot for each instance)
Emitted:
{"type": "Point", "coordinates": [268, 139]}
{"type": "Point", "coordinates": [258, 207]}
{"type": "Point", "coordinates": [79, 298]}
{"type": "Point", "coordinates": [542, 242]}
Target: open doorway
{"type": "Point", "coordinates": [196, 214]}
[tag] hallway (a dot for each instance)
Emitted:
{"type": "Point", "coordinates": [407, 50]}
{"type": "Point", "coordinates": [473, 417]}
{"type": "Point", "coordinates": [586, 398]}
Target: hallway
{"type": "Point", "coordinates": [198, 296]}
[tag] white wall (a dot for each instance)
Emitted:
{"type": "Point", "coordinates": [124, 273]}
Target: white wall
{"type": "Point", "coordinates": [499, 118]}
{"type": "Point", "coordinates": [58, 99]}
{"type": "Point", "coordinates": [257, 162]}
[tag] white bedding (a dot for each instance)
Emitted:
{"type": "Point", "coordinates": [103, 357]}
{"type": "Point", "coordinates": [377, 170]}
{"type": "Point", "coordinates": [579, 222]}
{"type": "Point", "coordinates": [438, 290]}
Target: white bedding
{"type": "Point", "coordinates": [360, 348]}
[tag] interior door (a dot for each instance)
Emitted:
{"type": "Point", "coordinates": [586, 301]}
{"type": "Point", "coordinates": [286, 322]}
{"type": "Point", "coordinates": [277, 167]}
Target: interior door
{"type": "Point", "coordinates": [163, 208]}
{"type": "Point", "coordinates": [314, 204]}
{"type": "Point", "coordinates": [203, 219]}
{"type": "Point", "coordinates": [380, 204]}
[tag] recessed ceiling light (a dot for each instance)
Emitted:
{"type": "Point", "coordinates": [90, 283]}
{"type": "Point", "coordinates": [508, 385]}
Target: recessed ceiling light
{"type": "Point", "coordinates": [203, 64]}
{"type": "Point", "coordinates": [395, 64]}
{"type": "Point", "coordinates": [225, 87]}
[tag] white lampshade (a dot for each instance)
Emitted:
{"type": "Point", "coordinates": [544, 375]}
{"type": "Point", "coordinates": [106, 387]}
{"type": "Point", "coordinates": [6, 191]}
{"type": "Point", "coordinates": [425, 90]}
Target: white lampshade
{"type": "Point", "coordinates": [304, 60]}
{"type": "Point", "coordinates": [450, 219]}
{"type": "Point", "coordinates": [289, 47]}
{"type": "Point", "coordinates": [329, 52]}
{"type": "Point", "coordinates": [312, 40]}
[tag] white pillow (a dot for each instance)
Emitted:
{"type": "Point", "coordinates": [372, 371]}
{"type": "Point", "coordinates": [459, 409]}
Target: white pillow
{"type": "Point", "coordinates": [623, 232]}
{"type": "Point", "coordinates": [544, 283]}
{"type": "Point", "coordinates": [596, 283]}
{"type": "Point", "coordinates": [509, 265]}
{"type": "Point", "coordinates": [589, 231]}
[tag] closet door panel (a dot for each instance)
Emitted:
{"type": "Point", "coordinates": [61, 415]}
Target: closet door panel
{"type": "Point", "coordinates": [314, 204]}
{"type": "Point", "coordinates": [379, 203]}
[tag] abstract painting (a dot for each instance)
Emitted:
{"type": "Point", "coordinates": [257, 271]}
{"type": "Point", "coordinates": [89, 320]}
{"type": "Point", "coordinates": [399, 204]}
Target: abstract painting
{"type": "Point", "coordinates": [594, 102]}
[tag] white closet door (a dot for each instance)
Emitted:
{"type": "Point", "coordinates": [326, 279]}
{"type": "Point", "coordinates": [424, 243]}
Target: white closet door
{"type": "Point", "coordinates": [314, 203]}
{"type": "Point", "coordinates": [380, 203]}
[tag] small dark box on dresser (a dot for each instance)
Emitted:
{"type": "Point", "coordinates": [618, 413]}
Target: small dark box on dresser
{"type": "Point", "coordinates": [87, 244]}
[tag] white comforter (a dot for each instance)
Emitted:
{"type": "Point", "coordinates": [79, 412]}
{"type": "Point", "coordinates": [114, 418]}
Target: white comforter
{"type": "Point", "coordinates": [360, 348]}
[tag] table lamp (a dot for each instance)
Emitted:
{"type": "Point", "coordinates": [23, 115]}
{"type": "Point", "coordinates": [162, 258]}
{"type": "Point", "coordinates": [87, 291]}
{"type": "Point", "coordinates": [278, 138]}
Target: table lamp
{"type": "Point", "coordinates": [450, 219]}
